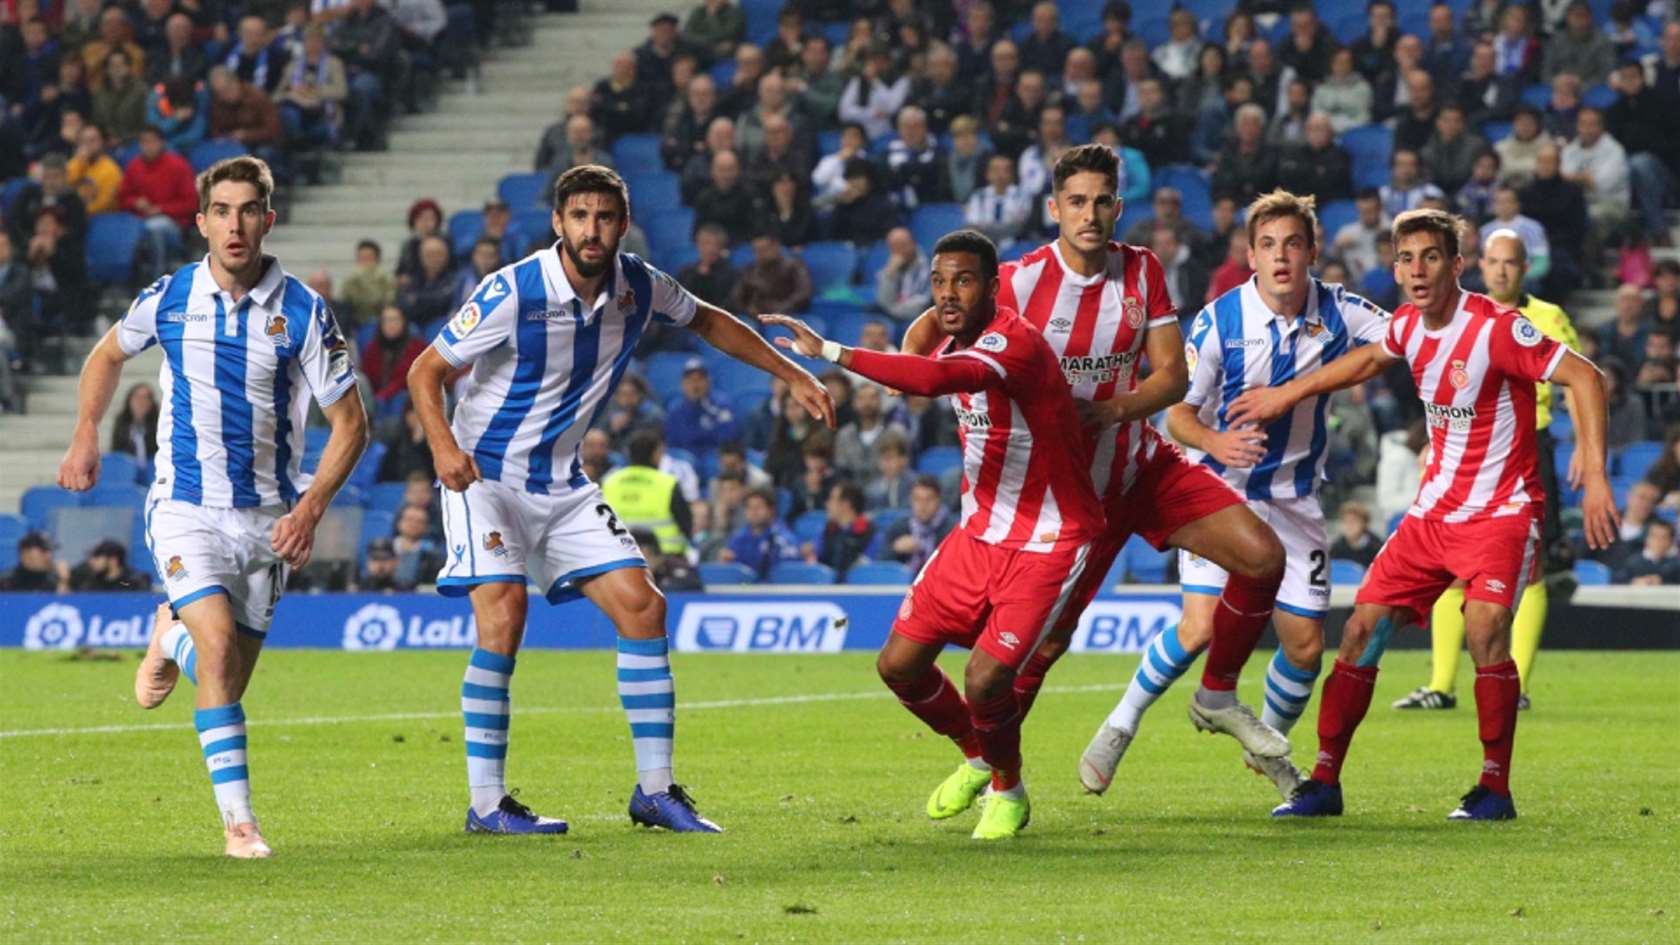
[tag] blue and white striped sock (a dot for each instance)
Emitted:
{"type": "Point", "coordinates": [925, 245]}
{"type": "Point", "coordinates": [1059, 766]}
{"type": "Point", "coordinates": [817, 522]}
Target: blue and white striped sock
{"type": "Point", "coordinates": [178, 645]}
{"type": "Point", "coordinates": [649, 696]}
{"type": "Point", "coordinates": [221, 733]}
{"type": "Point", "coordinates": [485, 709]}
{"type": "Point", "coordinates": [1164, 660]}
{"type": "Point", "coordinates": [1288, 690]}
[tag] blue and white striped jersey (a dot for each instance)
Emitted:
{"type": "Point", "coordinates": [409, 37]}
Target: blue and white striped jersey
{"type": "Point", "coordinates": [235, 381]}
{"type": "Point", "coordinates": [545, 362]}
{"type": "Point", "coordinates": [1238, 342]}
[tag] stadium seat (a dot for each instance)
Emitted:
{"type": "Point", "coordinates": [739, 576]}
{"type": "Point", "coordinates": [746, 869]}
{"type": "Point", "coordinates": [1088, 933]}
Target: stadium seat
{"type": "Point", "coordinates": [1600, 96]}
{"type": "Point", "coordinates": [741, 379]}
{"type": "Point", "coordinates": [124, 495]}
{"type": "Point", "coordinates": [1015, 250]}
{"type": "Point", "coordinates": [935, 460]}
{"type": "Point", "coordinates": [367, 468]}
{"type": "Point", "coordinates": [76, 530]}
{"type": "Point", "coordinates": [464, 227]}
{"type": "Point", "coordinates": [1153, 30]}
{"type": "Point", "coordinates": [338, 537]}
{"type": "Point", "coordinates": [119, 468]}
{"type": "Point", "coordinates": [800, 573]}
{"type": "Point", "coordinates": [871, 259]}
{"type": "Point", "coordinates": [37, 504]}
{"type": "Point", "coordinates": [1337, 214]}
{"type": "Point", "coordinates": [726, 572]}
{"type": "Point", "coordinates": [1394, 522]}
{"type": "Point", "coordinates": [1209, 9]}
{"type": "Point", "coordinates": [722, 73]}
{"type": "Point", "coordinates": [931, 221]}
{"type": "Point", "coordinates": [637, 154]}
{"type": "Point", "coordinates": [1370, 147]}
{"type": "Point", "coordinates": [524, 191]}
{"type": "Point", "coordinates": [831, 263]}
{"type": "Point", "coordinates": [1635, 459]}
{"type": "Point", "coordinates": [671, 229]}
{"type": "Point", "coordinates": [1193, 185]}
{"type": "Point", "coordinates": [1130, 215]}
{"type": "Point", "coordinates": [663, 372]}
{"type": "Point", "coordinates": [809, 525]}
{"type": "Point", "coordinates": [761, 20]}
{"type": "Point", "coordinates": [1343, 571]}
{"type": "Point", "coordinates": [1590, 572]}
{"type": "Point", "coordinates": [677, 452]}
{"type": "Point", "coordinates": [1496, 131]}
{"type": "Point", "coordinates": [677, 259]}
{"type": "Point", "coordinates": [1144, 563]}
{"type": "Point", "coordinates": [828, 142]}
{"type": "Point", "coordinates": [784, 499]}
{"type": "Point", "coordinates": [385, 496]}
{"type": "Point", "coordinates": [654, 193]}
{"type": "Point", "coordinates": [1348, 27]}
{"type": "Point", "coordinates": [12, 530]}
{"type": "Point", "coordinates": [9, 190]}
{"type": "Point", "coordinates": [1563, 427]}
{"type": "Point", "coordinates": [315, 439]}
{"type": "Point", "coordinates": [348, 495]}
{"type": "Point", "coordinates": [206, 153]}
{"type": "Point", "coordinates": [836, 31]}
{"type": "Point", "coordinates": [536, 223]}
{"type": "Point", "coordinates": [376, 523]}
{"type": "Point", "coordinates": [112, 241]}
{"type": "Point", "coordinates": [1538, 95]}
{"type": "Point", "coordinates": [1561, 454]}
{"type": "Point", "coordinates": [879, 572]}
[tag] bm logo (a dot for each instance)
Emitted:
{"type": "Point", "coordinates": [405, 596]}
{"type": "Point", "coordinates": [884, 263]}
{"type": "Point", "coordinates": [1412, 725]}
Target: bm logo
{"type": "Point", "coordinates": [747, 627]}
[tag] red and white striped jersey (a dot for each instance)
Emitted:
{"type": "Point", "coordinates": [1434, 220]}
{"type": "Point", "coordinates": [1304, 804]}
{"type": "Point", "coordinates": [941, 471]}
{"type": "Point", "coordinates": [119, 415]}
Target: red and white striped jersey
{"type": "Point", "coordinates": [1476, 379]}
{"type": "Point", "coordinates": [1097, 325]}
{"type": "Point", "coordinates": [1023, 451]}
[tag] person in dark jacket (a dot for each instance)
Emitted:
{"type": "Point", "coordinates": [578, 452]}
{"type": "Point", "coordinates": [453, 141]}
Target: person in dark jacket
{"type": "Point", "coordinates": [761, 542]}
{"type": "Point", "coordinates": [848, 533]}
{"type": "Point", "coordinates": [368, 42]}
{"type": "Point", "coordinates": [1319, 166]}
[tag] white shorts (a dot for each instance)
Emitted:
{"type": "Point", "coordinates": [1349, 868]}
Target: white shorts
{"type": "Point", "coordinates": [1299, 524]}
{"type": "Point", "coordinates": [495, 534]}
{"type": "Point", "coordinates": [201, 551]}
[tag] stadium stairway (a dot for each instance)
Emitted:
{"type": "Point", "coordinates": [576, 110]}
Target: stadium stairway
{"type": "Point", "coordinates": [457, 153]}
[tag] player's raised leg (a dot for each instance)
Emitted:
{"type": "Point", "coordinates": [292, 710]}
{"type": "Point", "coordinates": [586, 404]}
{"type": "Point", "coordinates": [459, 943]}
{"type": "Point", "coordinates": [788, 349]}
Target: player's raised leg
{"type": "Point", "coordinates": [648, 693]}
{"type": "Point", "coordinates": [169, 656]}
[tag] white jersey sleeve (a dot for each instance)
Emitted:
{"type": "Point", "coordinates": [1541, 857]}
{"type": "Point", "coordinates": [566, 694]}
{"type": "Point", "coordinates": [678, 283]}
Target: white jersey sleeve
{"type": "Point", "coordinates": [672, 304]}
{"type": "Point", "coordinates": [138, 329]}
{"type": "Point", "coordinates": [1202, 356]}
{"type": "Point", "coordinates": [1367, 322]}
{"type": "Point", "coordinates": [325, 358]}
{"type": "Point", "coordinates": [488, 319]}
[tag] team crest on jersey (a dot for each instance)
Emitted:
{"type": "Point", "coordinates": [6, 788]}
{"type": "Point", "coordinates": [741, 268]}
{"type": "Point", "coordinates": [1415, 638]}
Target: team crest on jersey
{"type": "Point", "coordinates": [465, 320]}
{"type": "Point", "coordinates": [905, 609]}
{"type": "Point", "coordinates": [276, 328]}
{"type": "Point", "coordinates": [1134, 312]}
{"type": "Point", "coordinates": [992, 341]}
{"type": "Point", "coordinates": [1314, 330]}
{"type": "Point", "coordinates": [626, 300]}
{"type": "Point", "coordinates": [175, 569]}
{"type": "Point", "coordinates": [493, 544]}
{"type": "Point", "coordinates": [1525, 333]}
{"type": "Point", "coordinates": [1459, 378]}
{"type": "Point", "coordinates": [1191, 356]}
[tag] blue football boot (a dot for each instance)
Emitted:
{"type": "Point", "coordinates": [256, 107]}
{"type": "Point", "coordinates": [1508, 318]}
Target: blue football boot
{"type": "Point", "coordinates": [1312, 799]}
{"type": "Point", "coordinates": [1482, 804]}
{"type": "Point", "coordinates": [510, 816]}
{"type": "Point", "coordinates": [673, 810]}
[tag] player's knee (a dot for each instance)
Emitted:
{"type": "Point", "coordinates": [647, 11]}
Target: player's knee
{"type": "Point", "coordinates": [1261, 554]}
{"type": "Point", "coordinates": [893, 670]}
{"type": "Point", "coordinates": [1305, 652]}
{"type": "Point", "coordinates": [984, 681]}
{"type": "Point", "coordinates": [642, 611]}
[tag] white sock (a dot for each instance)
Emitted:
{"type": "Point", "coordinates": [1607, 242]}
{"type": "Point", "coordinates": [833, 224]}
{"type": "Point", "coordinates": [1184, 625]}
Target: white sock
{"type": "Point", "coordinates": [486, 711]}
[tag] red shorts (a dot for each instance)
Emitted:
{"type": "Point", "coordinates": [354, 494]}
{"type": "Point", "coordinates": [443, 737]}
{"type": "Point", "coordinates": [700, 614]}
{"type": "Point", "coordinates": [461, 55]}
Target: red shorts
{"type": "Point", "coordinates": [1495, 558]}
{"type": "Point", "coordinates": [972, 593]}
{"type": "Point", "coordinates": [1169, 493]}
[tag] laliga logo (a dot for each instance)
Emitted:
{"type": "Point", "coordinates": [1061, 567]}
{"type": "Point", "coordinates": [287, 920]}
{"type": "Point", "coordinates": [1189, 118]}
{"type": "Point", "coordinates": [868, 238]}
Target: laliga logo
{"type": "Point", "coordinates": [374, 627]}
{"type": "Point", "coordinates": [54, 627]}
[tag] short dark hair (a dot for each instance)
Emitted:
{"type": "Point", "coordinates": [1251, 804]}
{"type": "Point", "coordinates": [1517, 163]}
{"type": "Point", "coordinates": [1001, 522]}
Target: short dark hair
{"type": "Point", "coordinates": [762, 492]}
{"type": "Point", "coordinates": [1096, 158]}
{"type": "Point", "coordinates": [925, 481]}
{"type": "Point", "coordinates": [644, 443]}
{"type": "Point", "coordinates": [1440, 222]}
{"type": "Point", "coordinates": [487, 241]}
{"type": "Point", "coordinates": [971, 241]}
{"type": "Point", "coordinates": [851, 493]}
{"type": "Point", "coordinates": [370, 244]}
{"type": "Point", "coordinates": [591, 179]}
{"type": "Point", "coordinates": [243, 169]}
{"type": "Point", "coordinates": [732, 448]}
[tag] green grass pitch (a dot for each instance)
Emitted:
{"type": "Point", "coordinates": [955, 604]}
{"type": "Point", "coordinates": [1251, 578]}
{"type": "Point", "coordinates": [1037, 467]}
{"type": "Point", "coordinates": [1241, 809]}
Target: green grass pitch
{"type": "Point", "coordinates": [357, 765]}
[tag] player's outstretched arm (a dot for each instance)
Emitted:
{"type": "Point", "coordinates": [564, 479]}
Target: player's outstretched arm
{"type": "Point", "coordinates": [294, 534]}
{"type": "Point", "coordinates": [1585, 383]}
{"type": "Point", "coordinates": [726, 333]}
{"type": "Point", "coordinates": [100, 374]}
{"type": "Point", "coordinates": [923, 335]}
{"type": "Point", "coordinates": [1238, 449]}
{"type": "Point", "coordinates": [455, 469]}
{"type": "Point", "coordinates": [1262, 405]}
{"type": "Point", "coordinates": [912, 374]}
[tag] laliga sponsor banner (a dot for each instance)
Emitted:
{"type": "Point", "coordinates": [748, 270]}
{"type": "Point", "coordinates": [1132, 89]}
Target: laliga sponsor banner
{"type": "Point", "coordinates": [699, 623]}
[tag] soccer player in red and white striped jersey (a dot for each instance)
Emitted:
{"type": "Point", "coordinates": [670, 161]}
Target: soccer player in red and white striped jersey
{"type": "Point", "coordinates": [1002, 581]}
{"type": "Point", "coordinates": [1477, 511]}
{"type": "Point", "coordinates": [1105, 309]}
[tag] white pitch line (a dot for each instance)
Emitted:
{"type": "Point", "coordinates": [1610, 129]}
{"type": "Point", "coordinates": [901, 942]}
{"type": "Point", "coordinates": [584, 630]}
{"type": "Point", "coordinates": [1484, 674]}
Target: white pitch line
{"type": "Point", "coordinates": [523, 710]}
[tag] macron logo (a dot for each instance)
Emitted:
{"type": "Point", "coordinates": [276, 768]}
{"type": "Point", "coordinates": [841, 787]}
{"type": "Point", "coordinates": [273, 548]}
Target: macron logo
{"type": "Point", "coordinates": [495, 290]}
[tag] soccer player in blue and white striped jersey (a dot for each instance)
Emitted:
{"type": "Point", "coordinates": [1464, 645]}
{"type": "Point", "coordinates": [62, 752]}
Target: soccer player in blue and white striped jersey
{"type": "Point", "coordinates": [548, 338]}
{"type": "Point", "coordinates": [1278, 325]}
{"type": "Point", "coordinates": [230, 512]}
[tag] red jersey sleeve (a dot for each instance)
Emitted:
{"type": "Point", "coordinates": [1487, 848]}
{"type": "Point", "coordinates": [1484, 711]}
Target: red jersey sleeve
{"type": "Point", "coordinates": [957, 373]}
{"type": "Point", "coordinates": [1519, 349]}
{"type": "Point", "coordinates": [1394, 340]}
{"type": "Point", "coordinates": [1006, 286]}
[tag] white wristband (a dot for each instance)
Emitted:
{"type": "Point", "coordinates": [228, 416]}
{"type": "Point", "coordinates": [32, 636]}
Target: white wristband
{"type": "Point", "coordinates": [831, 351]}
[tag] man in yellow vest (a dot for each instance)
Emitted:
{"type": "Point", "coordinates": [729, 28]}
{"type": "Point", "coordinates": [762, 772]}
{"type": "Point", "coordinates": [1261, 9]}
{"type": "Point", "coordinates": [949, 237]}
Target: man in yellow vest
{"type": "Point", "coordinates": [1504, 265]}
{"type": "Point", "coordinates": [644, 497]}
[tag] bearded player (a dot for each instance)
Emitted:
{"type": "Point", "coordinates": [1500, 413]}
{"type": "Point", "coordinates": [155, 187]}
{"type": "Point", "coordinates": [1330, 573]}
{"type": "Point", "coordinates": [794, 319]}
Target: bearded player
{"type": "Point", "coordinates": [1002, 581]}
{"type": "Point", "coordinates": [1103, 306]}
{"type": "Point", "coordinates": [1477, 513]}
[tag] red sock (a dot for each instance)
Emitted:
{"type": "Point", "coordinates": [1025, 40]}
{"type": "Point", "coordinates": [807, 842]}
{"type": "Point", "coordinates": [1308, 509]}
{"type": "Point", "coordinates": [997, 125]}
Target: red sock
{"type": "Point", "coordinates": [1347, 696]}
{"type": "Point", "coordinates": [933, 699]}
{"type": "Point", "coordinates": [1497, 689]}
{"type": "Point", "coordinates": [998, 724]}
{"type": "Point", "coordinates": [1238, 621]}
{"type": "Point", "coordinates": [1031, 679]}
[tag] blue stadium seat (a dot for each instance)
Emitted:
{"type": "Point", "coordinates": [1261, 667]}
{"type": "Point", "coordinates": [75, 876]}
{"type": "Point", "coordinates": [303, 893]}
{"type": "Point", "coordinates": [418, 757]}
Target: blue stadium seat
{"type": "Point", "coordinates": [747, 402]}
{"type": "Point", "coordinates": [119, 468]}
{"type": "Point", "coordinates": [385, 496]}
{"type": "Point", "coordinates": [1116, 573]}
{"type": "Point", "coordinates": [11, 531]}
{"type": "Point", "coordinates": [1590, 572]}
{"type": "Point", "coordinates": [124, 495]}
{"type": "Point", "coordinates": [1343, 571]}
{"type": "Point", "coordinates": [676, 260]}
{"type": "Point", "coordinates": [809, 525]}
{"type": "Point", "coordinates": [1635, 459]}
{"type": "Point", "coordinates": [871, 260]}
{"type": "Point", "coordinates": [9, 191]}
{"type": "Point", "coordinates": [828, 142]}
{"type": "Point", "coordinates": [37, 504]}
{"type": "Point", "coordinates": [723, 74]}
{"type": "Point", "coordinates": [315, 439]}
{"type": "Point", "coordinates": [663, 372]}
{"type": "Point", "coordinates": [931, 221]}
{"type": "Point", "coordinates": [637, 154]}
{"type": "Point", "coordinates": [1144, 563]}
{"type": "Point", "coordinates": [139, 552]}
{"type": "Point", "coordinates": [1348, 27]}
{"type": "Point", "coordinates": [464, 228]}
{"type": "Point", "coordinates": [879, 572]}
{"type": "Point", "coordinates": [348, 495]}
{"type": "Point", "coordinates": [1561, 454]}
{"type": "Point", "coordinates": [1394, 521]}
{"type": "Point", "coordinates": [836, 31]}
{"type": "Point", "coordinates": [1414, 21]}
{"type": "Point", "coordinates": [1016, 250]}
{"type": "Point", "coordinates": [76, 530]}
{"type": "Point", "coordinates": [1154, 30]}
{"type": "Point", "coordinates": [741, 256]}
{"type": "Point", "coordinates": [761, 20]}
{"type": "Point", "coordinates": [1209, 9]}
{"type": "Point", "coordinates": [848, 328]}
{"type": "Point", "coordinates": [1193, 184]}
{"type": "Point", "coordinates": [737, 379]}
{"type": "Point", "coordinates": [377, 523]}
{"type": "Point", "coordinates": [1563, 426]}
{"type": "Point", "coordinates": [1539, 95]}
{"type": "Point", "coordinates": [1600, 96]}
{"type": "Point", "coordinates": [535, 222]}
{"type": "Point", "coordinates": [935, 460]}
{"type": "Point", "coordinates": [1130, 215]}
{"type": "Point", "coordinates": [784, 500]}
{"type": "Point", "coordinates": [367, 468]}
{"type": "Point", "coordinates": [524, 191]}
{"type": "Point", "coordinates": [831, 263]}
{"type": "Point", "coordinates": [1370, 147]}
{"type": "Point", "coordinates": [790, 573]}
{"type": "Point", "coordinates": [832, 309]}
{"type": "Point", "coordinates": [1496, 131]}
{"type": "Point", "coordinates": [1337, 214]}
{"type": "Point", "coordinates": [726, 572]}
{"type": "Point", "coordinates": [112, 241]}
{"type": "Point", "coordinates": [206, 153]}
{"type": "Point", "coordinates": [654, 193]}
{"type": "Point", "coordinates": [670, 229]}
